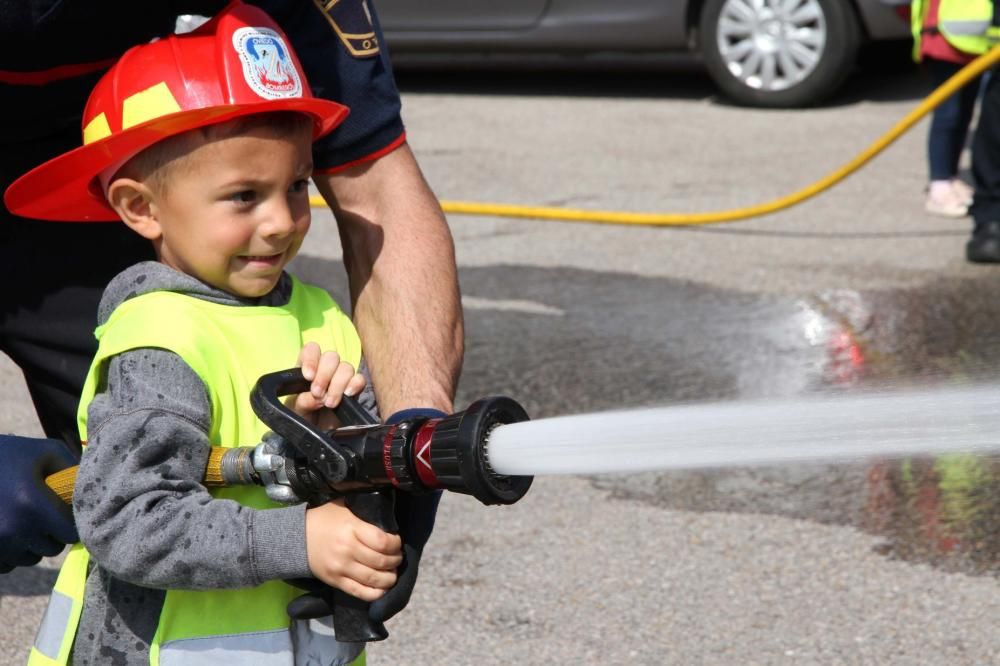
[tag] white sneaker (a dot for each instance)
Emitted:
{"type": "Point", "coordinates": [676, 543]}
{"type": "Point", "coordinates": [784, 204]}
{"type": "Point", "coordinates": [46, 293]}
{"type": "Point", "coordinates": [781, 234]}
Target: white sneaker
{"type": "Point", "coordinates": [944, 200]}
{"type": "Point", "coordinates": [963, 189]}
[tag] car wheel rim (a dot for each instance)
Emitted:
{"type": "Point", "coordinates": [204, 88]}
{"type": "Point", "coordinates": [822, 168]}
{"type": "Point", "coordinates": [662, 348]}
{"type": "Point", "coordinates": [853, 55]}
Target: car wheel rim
{"type": "Point", "coordinates": [771, 45]}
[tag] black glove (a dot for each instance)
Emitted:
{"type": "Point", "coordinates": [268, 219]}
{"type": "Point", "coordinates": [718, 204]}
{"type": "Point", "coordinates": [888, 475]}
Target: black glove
{"type": "Point", "coordinates": [415, 514]}
{"type": "Point", "coordinates": [34, 522]}
{"type": "Point", "coordinates": [415, 517]}
{"type": "Point", "coordinates": [317, 603]}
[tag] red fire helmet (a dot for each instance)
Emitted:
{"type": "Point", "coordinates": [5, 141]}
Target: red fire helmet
{"type": "Point", "coordinates": [237, 64]}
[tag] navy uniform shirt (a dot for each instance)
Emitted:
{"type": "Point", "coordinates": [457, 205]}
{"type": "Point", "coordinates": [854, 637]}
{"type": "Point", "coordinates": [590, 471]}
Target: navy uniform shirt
{"type": "Point", "coordinates": [52, 52]}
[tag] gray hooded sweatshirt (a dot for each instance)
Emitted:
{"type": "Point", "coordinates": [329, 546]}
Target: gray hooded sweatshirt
{"type": "Point", "coordinates": [140, 507]}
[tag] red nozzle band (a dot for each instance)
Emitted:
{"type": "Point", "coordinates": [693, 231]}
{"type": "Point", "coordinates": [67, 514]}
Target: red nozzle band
{"type": "Point", "coordinates": [422, 454]}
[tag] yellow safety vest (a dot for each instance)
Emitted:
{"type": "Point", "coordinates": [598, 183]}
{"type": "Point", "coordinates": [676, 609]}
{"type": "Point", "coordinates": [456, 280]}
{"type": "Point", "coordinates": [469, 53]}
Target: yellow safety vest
{"type": "Point", "coordinates": [229, 347]}
{"type": "Point", "coordinates": [966, 24]}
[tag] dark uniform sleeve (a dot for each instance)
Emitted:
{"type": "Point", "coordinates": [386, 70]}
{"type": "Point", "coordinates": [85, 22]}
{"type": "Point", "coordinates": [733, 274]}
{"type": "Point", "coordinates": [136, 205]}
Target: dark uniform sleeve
{"type": "Point", "coordinates": [346, 61]}
{"type": "Point", "coordinates": [341, 50]}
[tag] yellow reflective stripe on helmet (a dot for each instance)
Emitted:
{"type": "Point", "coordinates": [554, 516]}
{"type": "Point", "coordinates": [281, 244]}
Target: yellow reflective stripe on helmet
{"type": "Point", "coordinates": [96, 129]}
{"type": "Point", "coordinates": [153, 102]}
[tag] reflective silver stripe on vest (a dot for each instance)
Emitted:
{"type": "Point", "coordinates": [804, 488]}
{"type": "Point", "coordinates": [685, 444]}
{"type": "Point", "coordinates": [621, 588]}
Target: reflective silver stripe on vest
{"type": "Point", "coordinates": [975, 28]}
{"type": "Point", "coordinates": [265, 648]}
{"type": "Point", "coordinates": [316, 637]}
{"type": "Point", "coordinates": [54, 625]}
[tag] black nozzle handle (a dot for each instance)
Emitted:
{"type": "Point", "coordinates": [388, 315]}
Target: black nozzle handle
{"type": "Point", "coordinates": [351, 621]}
{"type": "Point", "coordinates": [285, 382]}
{"type": "Point", "coordinates": [350, 412]}
{"type": "Point", "coordinates": [325, 457]}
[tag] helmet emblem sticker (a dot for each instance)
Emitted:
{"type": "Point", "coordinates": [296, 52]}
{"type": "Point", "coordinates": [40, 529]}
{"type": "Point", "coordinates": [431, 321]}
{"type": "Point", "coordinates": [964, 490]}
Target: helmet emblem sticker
{"type": "Point", "coordinates": [267, 66]}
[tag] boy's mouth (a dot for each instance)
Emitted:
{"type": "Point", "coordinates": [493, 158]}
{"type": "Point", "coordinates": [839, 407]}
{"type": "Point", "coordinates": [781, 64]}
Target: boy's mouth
{"type": "Point", "coordinates": [267, 259]}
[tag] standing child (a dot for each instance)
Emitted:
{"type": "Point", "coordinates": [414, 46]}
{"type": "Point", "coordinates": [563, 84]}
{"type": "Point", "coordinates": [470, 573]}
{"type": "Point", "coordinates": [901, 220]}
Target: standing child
{"type": "Point", "coordinates": [201, 143]}
{"type": "Point", "coordinates": [947, 194]}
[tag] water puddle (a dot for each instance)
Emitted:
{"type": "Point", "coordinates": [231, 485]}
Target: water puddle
{"type": "Point", "coordinates": [624, 341]}
{"type": "Point", "coordinates": [943, 510]}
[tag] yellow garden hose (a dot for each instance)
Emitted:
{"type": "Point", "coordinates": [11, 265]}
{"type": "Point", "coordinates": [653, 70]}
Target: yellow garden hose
{"type": "Point", "coordinates": [943, 92]}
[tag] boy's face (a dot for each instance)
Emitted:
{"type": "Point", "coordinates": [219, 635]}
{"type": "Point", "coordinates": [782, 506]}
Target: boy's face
{"type": "Point", "coordinates": [235, 211]}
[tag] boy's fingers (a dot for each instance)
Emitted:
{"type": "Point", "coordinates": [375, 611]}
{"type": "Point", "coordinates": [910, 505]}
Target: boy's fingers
{"type": "Point", "coordinates": [326, 420]}
{"type": "Point", "coordinates": [327, 368]}
{"type": "Point", "coordinates": [339, 384]}
{"type": "Point", "coordinates": [377, 561]}
{"type": "Point", "coordinates": [363, 592]}
{"type": "Point", "coordinates": [377, 540]}
{"type": "Point", "coordinates": [305, 402]}
{"type": "Point", "coordinates": [309, 359]}
{"type": "Point", "coordinates": [356, 385]}
{"type": "Point", "coordinates": [367, 577]}
{"type": "Point", "coordinates": [361, 581]}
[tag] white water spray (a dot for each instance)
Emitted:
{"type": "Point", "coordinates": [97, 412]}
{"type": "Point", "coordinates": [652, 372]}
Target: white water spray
{"type": "Point", "coordinates": [834, 429]}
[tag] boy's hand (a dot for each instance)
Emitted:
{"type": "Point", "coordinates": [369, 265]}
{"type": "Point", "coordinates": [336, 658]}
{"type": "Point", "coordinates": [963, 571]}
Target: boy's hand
{"type": "Point", "coordinates": [350, 554]}
{"type": "Point", "coordinates": [331, 378]}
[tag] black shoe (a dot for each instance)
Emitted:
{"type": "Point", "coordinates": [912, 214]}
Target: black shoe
{"type": "Point", "coordinates": [984, 246]}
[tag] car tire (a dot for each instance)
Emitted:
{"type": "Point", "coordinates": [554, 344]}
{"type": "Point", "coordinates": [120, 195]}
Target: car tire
{"type": "Point", "coordinates": [768, 56]}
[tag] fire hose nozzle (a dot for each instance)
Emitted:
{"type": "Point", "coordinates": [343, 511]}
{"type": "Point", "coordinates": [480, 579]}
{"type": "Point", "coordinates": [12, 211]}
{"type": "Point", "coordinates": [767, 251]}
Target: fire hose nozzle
{"type": "Point", "coordinates": [414, 455]}
{"type": "Point", "coordinates": [455, 452]}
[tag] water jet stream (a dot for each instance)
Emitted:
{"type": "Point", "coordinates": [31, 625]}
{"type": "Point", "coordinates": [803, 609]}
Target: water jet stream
{"type": "Point", "coordinates": [840, 428]}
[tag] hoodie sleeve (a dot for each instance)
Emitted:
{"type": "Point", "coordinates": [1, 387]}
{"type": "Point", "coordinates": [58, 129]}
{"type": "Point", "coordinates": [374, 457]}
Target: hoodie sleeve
{"type": "Point", "coordinates": [140, 506]}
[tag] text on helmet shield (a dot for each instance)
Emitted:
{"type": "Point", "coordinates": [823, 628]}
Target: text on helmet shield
{"type": "Point", "coordinates": [267, 65]}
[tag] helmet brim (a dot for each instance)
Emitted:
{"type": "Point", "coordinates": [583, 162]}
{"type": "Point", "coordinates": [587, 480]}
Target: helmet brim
{"type": "Point", "coordinates": [65, 189]}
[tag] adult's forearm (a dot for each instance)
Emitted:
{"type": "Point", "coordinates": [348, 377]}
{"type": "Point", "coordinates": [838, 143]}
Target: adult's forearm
{"type": "Point", "coordinates": [400, 259]}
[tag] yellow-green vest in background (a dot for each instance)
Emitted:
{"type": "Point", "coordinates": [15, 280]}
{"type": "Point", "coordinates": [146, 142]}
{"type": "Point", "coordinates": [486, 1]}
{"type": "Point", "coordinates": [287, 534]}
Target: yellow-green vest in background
{"type": "Point", "coordinates": [229, 347]}
{"type": "Point", "coordinates": [966, 24]}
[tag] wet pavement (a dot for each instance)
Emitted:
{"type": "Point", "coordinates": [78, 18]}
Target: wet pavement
{"type": "Point", "coordinates": [585, 341]}
{"type": "Point", "coordinates": [889, 562]}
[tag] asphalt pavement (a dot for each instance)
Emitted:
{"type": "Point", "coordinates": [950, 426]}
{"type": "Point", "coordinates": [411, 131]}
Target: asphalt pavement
{"type": "Point", "coordinates": [766, 567]}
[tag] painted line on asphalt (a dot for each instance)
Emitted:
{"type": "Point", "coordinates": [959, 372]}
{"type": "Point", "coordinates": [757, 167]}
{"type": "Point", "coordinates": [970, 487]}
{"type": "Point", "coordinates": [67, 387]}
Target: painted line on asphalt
{"type": "Point", "coordinates": [511, 305]}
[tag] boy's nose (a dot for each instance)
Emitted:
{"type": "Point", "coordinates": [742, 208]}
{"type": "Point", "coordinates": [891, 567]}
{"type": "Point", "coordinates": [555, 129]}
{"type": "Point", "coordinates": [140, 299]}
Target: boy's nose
{"type": "Point", "coordinates": [280, 222]}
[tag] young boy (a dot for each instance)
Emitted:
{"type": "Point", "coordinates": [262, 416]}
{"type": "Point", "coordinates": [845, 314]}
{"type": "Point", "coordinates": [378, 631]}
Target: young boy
{"type": "Point", "coordinates": [202, 144]}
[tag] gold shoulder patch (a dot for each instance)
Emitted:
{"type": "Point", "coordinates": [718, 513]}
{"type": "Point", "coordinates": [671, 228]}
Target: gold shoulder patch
{"type": "Point", "coordinates": [352, 21]}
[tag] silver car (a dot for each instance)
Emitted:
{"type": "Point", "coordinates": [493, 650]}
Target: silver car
{"type": "Point", "coordinates": [779, 53]}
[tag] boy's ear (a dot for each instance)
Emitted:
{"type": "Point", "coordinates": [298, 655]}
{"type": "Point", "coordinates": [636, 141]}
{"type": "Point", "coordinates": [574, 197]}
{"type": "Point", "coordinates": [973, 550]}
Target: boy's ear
{"type": "Point", "coordinates": [132, 201]}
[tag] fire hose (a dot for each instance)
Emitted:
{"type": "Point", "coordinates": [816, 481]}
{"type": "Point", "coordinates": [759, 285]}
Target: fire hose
{"type": "Point", "coordinates": [363, 461]}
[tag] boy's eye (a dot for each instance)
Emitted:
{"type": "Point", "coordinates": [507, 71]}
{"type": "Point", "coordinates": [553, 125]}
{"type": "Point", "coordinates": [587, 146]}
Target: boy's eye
{"type": "Point", "coordinates": [244, 197]}
{"type": "Point", "coordinates": [300, 186]}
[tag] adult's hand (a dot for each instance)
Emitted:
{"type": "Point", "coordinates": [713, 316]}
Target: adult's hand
{"type": "Point", "coordinates": [415, 516]}
{"type": "Point", "coordinates": [400, 259]}
{"type": "Point", "coordinates": [34, 522]}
